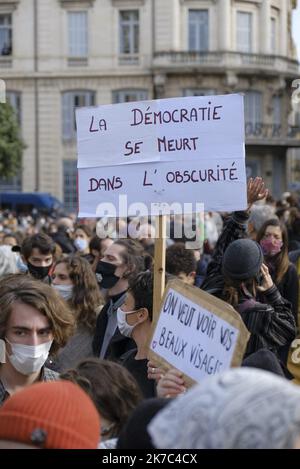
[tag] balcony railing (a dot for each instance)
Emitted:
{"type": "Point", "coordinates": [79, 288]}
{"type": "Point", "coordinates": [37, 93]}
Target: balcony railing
{"type": "Point", "coordinates": [77, 61]}
{"type": "Point", "coordinates": [128, 59]}
{"type": "Point", "coordinates": [225, 60]}
{"type": "Point", "coordinates": [5, 61]}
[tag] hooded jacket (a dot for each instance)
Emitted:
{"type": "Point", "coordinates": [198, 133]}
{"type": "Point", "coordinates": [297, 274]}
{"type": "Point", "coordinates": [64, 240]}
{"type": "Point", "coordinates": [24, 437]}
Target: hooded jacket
{"type": "Point", "coordinates": [271, 323]}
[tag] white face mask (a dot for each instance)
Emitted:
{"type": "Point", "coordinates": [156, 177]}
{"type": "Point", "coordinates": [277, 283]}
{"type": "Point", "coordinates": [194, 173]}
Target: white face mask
{"type": "Point", "coordinates": [28, 359]}
{"type": "Point", "coordinates": [81, 244]}
{"type": "Point", "coordinates": [123, 325]}
{"type": "Point", "coordinates": [65, 291]}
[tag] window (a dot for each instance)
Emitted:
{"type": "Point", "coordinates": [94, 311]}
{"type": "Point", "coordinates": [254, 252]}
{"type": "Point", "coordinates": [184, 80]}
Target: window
{"type": "Point", "coordinates": [253, 168]}
{"type": "Point", "coordinates": [198, 30]}
{"type": "Point", "coordinates": [70, 101]}
{"type": "Point", "coordinates": [126, 96]}
{"type": "Point", "coordinates": [78, 33]}
{"type": "Point", "coordinates": [276, 101]}
{"type": "Point", "coordinates": [129, 34]}
{"type": "Point", "coordinates": [198, 92]}
{"type": "Point", "coordinates": [5, 35]}
{"type": "Point", "coordinates": [70, 184]}
{"type": "Point", "coordinates": [14, 99]}
{"type": "Point", "coordinates": [244, 32]}
{"type": "Point", "coordinates": [273, 47]}
{"type": "Point", "coordinates": [277, 119]}
{"type": "Point", "coordinates": [12, 184]}
{"type": "Point", "coordinates": [253, 112]}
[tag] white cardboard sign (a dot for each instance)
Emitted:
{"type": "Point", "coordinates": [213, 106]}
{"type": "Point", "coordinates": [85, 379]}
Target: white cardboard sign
{"type": "Point", "coordinates": [196, 334]}
{"type": "Point", "coordinates": [160, 152]}
{"type": "Point", "coordinates": [160, 130]}
{"type": "Point", "coordinates": [114, 191]}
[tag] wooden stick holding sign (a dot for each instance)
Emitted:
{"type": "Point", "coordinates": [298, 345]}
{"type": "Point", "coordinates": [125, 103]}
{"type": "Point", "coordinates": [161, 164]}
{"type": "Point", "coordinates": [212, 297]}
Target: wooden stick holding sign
{"type": "Point", "coordinates": [159, 263]}
{"type": "Point", "coordinates": [196, 333]}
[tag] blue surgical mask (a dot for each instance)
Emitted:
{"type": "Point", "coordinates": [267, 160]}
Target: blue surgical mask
{"type": "Point", "coordinates": [21, 266]}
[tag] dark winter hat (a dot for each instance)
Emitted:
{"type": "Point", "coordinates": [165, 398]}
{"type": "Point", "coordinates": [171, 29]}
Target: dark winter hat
{"type": "Point", "coordinates": [265, 360]}
{"type": "Point", "coordinates": [135, 434]}
{"type": "Point", "coordinates": [242, 259]}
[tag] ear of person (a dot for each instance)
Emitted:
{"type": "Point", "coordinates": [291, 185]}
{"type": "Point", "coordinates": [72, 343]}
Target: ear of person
{"type": "Point", "coordinates": [143, 313]}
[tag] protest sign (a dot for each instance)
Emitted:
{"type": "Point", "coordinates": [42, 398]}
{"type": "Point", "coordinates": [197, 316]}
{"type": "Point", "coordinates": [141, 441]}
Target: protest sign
{"type": "Point", "coordinates": [196, 333]}
{"type": "Point", "coordinates": [154, 158]}
{"type": "Point", "coordinates": [293, 361]}
{"type": "Point", "coordinates": [160, 130]}
{"type": "Point", "coordinates": [161, 189]}
{"type": "Point", "coordinates": [159, 152]}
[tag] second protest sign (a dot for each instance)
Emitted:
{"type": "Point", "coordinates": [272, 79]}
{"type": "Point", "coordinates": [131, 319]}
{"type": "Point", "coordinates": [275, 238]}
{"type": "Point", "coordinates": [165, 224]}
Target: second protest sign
{"type": "Point", "coordinates": [196, 333]}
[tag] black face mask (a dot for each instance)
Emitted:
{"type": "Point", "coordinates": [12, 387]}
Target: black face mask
{"type": "Point", "coordinates": [37, 271]}
{"type": "Point", "coordinates": [107, 271]}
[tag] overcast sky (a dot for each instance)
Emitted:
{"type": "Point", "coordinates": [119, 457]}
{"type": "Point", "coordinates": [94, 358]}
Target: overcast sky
{"type": "Point", "coordinates": [296, 27]}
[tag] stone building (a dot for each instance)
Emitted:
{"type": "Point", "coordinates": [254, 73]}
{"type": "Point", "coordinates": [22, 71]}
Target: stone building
{"type": "Point", "coordinates": [57, 55]}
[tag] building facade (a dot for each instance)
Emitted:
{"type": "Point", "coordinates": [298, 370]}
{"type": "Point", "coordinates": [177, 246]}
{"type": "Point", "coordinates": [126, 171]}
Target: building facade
{"type": "Point", "coordinates": [56, 55]}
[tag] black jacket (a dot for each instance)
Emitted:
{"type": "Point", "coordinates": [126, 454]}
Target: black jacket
{"type": "Point", "coordinates": [138, 368]}
{"type": "Point", "coordinates": [119, 344]}
{"type": "Point", "coordinates": [294, 256]}
{"type": "Point", "coordinates": [271, 323]}
{"type": "Point", "coordinates": [62, 239]}
{"type": "Point", "coordinates": [289, 288]}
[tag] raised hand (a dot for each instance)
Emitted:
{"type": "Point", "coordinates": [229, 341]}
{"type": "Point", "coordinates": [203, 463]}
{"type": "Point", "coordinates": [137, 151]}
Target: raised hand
{"type": "Point", "coordinates": [256, 191]}
{"type": "Point", "coordinates": [267, 281]}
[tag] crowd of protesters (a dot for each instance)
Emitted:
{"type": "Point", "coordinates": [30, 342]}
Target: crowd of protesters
{"type": "Point", "coordinates": [76, 311]}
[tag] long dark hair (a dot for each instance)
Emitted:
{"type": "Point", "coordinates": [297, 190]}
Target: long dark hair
{"type": "Point", "coordinates": [134, 256]}
{"type": "Point", "coordinates": [281, 260]}
{"type": "Point", "coordinates": [232, 290]}
{"type": "Point", "coordinates": [86, 297]}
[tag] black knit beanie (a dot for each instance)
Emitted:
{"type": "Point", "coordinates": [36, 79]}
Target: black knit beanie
{"type": "Point", "coordinates": [265, 360]}
{"type": "Point", "coordinates": [135, 434]}
{"type": "Point", "coordinates": [242, 259]}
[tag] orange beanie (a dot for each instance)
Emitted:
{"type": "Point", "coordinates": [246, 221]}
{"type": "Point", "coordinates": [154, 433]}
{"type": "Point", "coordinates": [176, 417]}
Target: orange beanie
{"type": "Point", "coordinates": [54, 415]}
